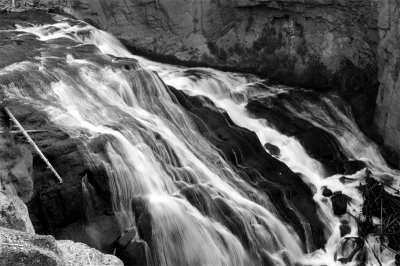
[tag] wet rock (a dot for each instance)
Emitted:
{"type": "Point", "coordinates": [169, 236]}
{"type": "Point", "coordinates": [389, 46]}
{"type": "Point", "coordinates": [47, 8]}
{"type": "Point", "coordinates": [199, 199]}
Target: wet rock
{"type": "Point", "coordinates": [126, 63]}
{"type": "Point", "coordinates": [272, 149]}
{"type": "Point", "coordinates": [318, 143]}
{"type": "Point", "coordinates": [345, 229]}
{"type": "Point", "coordinates": [326, 192]}
{"type": "Point", "coordinates": [137, 252]}
{"type": "Point", "coordinates": [145, 228]}
{"type": "Point", "coordinates": [199, 198]}
{"type": "Point", "coordinates": [265, 173]}
{"type": "Point", "coordinates": [126, 237]}
{"type": "Point", "coordinates": [339, 203]}
{"type": "Point", "coordinates": [228, 217]}
{"type": "Point", "coordinates": [344, 179]}
{"type": "Point", "coordinates": [353, 166]}
{"type": "Point", "coordinates": [139, 205]}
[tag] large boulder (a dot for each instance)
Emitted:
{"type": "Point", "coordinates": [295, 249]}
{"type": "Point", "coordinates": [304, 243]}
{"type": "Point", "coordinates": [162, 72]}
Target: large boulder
{"type": "Point", "coordinates": [14, 214]}
{"type": "Point", "coordinates": [81, 254]}
{"type": "Point", "coordinates": [20, 249]}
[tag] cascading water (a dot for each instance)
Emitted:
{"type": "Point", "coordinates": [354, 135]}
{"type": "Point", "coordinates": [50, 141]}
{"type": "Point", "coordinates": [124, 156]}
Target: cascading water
{"type": "Point", "coordinates": [153, 151]}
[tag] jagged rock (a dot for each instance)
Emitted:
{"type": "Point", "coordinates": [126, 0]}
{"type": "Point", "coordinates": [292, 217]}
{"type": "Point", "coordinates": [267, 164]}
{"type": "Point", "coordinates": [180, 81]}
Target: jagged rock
{"type": "Point", "coordinates": [14, 214]}
{"type": "Point", "coordinates": [21, 249]}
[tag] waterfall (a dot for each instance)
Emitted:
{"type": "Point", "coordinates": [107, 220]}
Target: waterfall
{"type": "Point", "coordinates": [154, 153]}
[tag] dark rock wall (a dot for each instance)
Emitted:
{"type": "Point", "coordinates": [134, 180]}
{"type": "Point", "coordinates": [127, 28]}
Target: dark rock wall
{"type": "Point", "coordinates": [387, 116]}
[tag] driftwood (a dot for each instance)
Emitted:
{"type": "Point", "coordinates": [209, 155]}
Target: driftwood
{"type": "Point", "coordinates": [385, 206]}
{"type": "Point", "coordinates": [32, 143]}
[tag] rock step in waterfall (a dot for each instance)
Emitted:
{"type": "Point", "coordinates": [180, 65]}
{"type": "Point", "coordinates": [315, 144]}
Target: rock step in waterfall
{"type": "Point", "coordinates": [175, 157]}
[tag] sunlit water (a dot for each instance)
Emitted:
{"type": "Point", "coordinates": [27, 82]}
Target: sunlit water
{"type": "Point", "coordinates": [152, 147]}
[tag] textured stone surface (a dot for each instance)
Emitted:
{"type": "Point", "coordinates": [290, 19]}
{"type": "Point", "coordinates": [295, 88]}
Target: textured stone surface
{"type": "Point", "coordinates": [387, 116]}
{"type": "Point", "coordinates": [14, 214]}
{"type": "Point", "coordinates": [21, 249]}
{"type": "Point", "coordinates": [15, 168]}
{"type": "Point", "coordinates": [81, 254]}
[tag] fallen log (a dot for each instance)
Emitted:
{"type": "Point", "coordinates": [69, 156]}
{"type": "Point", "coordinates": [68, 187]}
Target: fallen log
{"type": "Point", "coordinates": [30, 140]}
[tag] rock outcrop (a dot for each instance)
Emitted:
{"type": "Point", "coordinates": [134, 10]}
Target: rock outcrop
{"type": "Point", "coordinates": [19, 245]}
{"type": "Point", "coordinates": [14, 214]}
{"type": "Point", "coordinates": [387, 116]}
{"type": "Point", "coordinates": [21, 249]}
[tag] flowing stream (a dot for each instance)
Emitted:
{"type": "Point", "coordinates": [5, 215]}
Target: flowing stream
{"type": "Point", "coordinates": [153, 149]}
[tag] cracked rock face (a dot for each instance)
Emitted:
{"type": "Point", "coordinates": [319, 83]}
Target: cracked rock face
{"type": "Point", "coordinates": [387, 116]}
{"type": "Point", "coordinates": [323, 44]}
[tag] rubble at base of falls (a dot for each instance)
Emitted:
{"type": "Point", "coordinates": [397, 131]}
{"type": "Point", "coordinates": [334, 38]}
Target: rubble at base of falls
{"type": "Point", "coordinates": [378, 224]}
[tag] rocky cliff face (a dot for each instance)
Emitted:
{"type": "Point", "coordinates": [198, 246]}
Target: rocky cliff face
{"type": "Point", "coordinates": [323, 44]}
{"type": "Point", "coordinates": [314, 43]}
{"type": "Point", "coordinates": [387, 116]}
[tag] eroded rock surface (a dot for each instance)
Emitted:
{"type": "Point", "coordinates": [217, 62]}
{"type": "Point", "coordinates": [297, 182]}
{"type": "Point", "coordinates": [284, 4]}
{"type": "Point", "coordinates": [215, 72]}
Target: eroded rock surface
{"type": "Point", "coordinates": [387, 116]}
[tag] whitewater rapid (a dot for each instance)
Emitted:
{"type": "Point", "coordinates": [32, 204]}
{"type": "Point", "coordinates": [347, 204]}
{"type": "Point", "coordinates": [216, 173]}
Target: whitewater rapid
{"type": "Point", "coordinates": [152, 145]}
